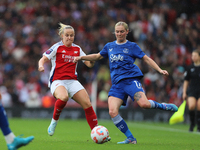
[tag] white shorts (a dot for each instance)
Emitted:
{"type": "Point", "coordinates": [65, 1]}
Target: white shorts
{"type": "Point", "coordinates": [72, 86]}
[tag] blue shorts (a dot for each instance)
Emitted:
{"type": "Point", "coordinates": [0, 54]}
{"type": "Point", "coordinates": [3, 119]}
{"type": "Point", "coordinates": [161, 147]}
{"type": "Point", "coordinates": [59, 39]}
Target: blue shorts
{"type": "Point", "coordinates": [125, 88]}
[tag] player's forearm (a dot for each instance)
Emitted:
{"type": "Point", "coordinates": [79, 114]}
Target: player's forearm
{"type": "Point", "coordinates": [91, 57]}
{"type": "Point", "coordinates": [41, 62]}
{"type": "Point", "coordinates": [153, 64]}
{"type": "Point", "coordinates": [90, 64]}
{"type": "Point", "coordinates": [185, 85]}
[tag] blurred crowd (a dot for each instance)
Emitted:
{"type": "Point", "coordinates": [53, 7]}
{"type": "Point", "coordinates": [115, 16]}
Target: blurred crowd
{"type": "Point", "coordinates": [166, 30]}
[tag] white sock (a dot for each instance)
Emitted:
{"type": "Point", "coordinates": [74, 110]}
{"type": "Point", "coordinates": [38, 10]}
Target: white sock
{"type": "Point", "coordinates": [9, 138]}
{"type": "Point", "coordinates": [153, 105]}
{"type": "Point", "coordinates": [53, 120]}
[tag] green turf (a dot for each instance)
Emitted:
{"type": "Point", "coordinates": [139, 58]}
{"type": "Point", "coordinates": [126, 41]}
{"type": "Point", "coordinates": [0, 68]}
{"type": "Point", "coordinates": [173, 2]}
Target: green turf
{"type": "Point", "coordinates": [75, 135]}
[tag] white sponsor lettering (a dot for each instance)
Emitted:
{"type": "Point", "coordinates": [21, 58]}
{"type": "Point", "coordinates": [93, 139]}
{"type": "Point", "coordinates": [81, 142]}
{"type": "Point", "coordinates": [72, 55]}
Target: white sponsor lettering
{"type": "Point", "coordinates": [116, 57]}
{"type": "Point", "coordinates": [67, 58]}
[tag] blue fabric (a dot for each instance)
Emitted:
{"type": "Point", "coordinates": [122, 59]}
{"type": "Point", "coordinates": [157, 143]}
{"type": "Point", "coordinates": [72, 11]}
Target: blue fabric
{"type": "Point", "coordinates": [155, 104]}
{"type": "Point", "coordinates": [125, 88]}
{"type": "Point", "coordinates": [122, 126]}
{"type": "Point", "coordinates": [121, 60]}
{"type": "Point", "coordinates": [4, 125]}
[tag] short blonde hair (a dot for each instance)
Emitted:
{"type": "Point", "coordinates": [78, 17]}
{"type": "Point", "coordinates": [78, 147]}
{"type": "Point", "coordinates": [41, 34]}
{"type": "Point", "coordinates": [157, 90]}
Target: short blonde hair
{"type": "Point", "coordinates": [62, 27]}
{"type": "Point", "coordinates": [121, 23]}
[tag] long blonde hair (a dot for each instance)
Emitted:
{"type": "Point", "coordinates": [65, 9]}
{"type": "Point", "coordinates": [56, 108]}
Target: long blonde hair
{"type": "Point", "coordinates": [62, 27]}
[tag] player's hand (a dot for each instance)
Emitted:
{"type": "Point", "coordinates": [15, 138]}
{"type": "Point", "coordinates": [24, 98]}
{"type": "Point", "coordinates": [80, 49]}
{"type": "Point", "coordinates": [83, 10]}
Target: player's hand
{"type": "Point", "coordinates": [92, 62]}
{"type": "Point", "coordinates": [184, 96]}
{"type": "Point", "coordinates": [164, 72]}
{"type": "Point", "coordinates": [41, 68]}
{"type": "Point", "coordinates": [76, 59]}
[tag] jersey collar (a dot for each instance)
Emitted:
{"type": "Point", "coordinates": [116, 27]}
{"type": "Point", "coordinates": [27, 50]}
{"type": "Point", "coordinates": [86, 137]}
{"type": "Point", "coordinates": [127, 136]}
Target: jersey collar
{"type": "Point", "coordinates": [120, 43]}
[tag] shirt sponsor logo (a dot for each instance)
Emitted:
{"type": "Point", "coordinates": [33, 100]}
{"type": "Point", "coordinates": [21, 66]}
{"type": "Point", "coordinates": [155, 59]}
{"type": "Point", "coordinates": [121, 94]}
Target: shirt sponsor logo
{"type": "Point", "coordinates": [116, 58]}
{"type": "Point", "coordinates": [67, 58]}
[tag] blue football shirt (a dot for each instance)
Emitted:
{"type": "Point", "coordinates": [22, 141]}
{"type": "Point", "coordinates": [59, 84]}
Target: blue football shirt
{"type": "Point", "coordinates": [121, 60]}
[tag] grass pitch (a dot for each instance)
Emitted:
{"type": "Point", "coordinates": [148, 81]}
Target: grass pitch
{"type": "Point", "coordinates": [75, 135]}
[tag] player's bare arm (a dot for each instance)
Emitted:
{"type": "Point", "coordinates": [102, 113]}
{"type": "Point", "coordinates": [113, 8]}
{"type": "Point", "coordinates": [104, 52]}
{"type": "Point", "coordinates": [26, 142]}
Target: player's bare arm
{"type": "Point", "coordinates": [153, 64]}
{"type": "Point", "coordinates": [41, 63]}
{"type": "Point", "coordinates": [91, 57]}
{"type": "Point", "coordinates": [185, 86]}
{"type": "Point", "coordinates": [90, 64]}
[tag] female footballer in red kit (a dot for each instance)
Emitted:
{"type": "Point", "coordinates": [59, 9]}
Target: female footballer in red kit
{"type": "Point", "coordinates": [63, 81]}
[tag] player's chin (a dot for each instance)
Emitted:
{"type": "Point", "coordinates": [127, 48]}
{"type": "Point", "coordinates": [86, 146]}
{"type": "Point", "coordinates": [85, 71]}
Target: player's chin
{"type": "Point", "coordinates": [120, 39]}
{"type": "Point", "coordinates": [69, 43]}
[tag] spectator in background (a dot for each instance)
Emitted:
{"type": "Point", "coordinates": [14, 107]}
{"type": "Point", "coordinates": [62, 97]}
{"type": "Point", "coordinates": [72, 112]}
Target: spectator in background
{"type": "Point", "coordinates": [33, 101]}
{"type": "Point", "coordinates": [48, 100]}
{"type": "Point", "coordinates": [5, 97]}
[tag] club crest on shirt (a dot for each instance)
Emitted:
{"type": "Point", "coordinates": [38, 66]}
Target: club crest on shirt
{"type": "Point", "coordinates": [75, 52]}
{"type": "Point", "coordinates": [49, 51]}
{"type": "Point", "coordinates": [125, 50]}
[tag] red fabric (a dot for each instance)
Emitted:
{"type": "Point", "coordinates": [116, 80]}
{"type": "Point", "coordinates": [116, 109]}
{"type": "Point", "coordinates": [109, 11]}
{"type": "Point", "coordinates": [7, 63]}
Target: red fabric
{"type": "Point", "coordinates": [65, 68]}
{"type": "Point", "coordinates": [91, 117]}
{"type": "Point", "coordinates": [58, 107]}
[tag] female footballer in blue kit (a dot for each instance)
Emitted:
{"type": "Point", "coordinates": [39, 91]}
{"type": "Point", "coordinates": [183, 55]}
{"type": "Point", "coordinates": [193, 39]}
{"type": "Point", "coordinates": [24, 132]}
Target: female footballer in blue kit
{"type": "Point", "coordinates": [125, 77]}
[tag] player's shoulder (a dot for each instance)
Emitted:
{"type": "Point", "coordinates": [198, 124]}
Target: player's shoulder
{"type": "Point", "coordinates": [75, 45]}
{"type": "Point", "coordinates": [111, 43]}
{"type": "Point", "coordinates": [56, 45]}
{"type": "Point", "coordinates": [131, 43]}
{"type": "Point", "coordinates": [189, 68]}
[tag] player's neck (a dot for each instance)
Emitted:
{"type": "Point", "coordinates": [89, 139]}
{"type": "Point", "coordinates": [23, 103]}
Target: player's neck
{"type": "Point", "coordinates": [68, 45]}
{"type": "Point", "coordinates": [121, 42]}
{"type": "Point", "coordinates": [197, 64]}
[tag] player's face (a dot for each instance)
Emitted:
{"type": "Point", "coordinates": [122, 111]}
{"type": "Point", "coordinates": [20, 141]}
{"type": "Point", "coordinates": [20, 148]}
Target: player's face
{"type": "Point", "coordinates": [195, 57]}
{"type": "Point", "coordinates": [68, 37]}
{"type": "Point", "coordinates": [120, 33]}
